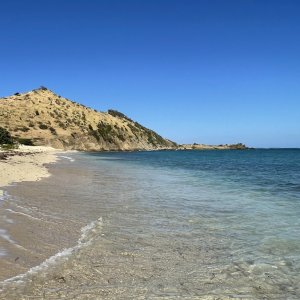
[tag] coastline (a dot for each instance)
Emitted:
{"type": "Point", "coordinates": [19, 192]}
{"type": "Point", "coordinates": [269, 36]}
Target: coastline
{"type": "Point", "coordinates": [88, 231]}
{"type": "Point", "coordinates": [21, 171]}
{"type": "Point", "coordinates": [26, 164]}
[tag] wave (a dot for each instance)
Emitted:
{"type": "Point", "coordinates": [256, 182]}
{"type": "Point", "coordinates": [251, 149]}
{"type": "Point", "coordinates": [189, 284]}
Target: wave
{"type": "Point", "coordinates": [68, 157]}
{"type": "Point", "coordinates": [88, 234]}
{"type": "Point", "coordinates": [3, 195]}
{"type": "Point", "coordinates": [5, 236]}
{"type": "Point", "coordinates": [22, 214]}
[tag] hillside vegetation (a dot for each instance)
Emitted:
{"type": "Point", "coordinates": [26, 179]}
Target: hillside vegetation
{"type": "Point", "coordinates": [41, 117]}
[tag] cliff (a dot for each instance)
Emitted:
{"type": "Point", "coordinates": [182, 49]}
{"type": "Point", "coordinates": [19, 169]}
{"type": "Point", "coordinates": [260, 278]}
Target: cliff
{"type": "Point", "coordinates": [41, 117]}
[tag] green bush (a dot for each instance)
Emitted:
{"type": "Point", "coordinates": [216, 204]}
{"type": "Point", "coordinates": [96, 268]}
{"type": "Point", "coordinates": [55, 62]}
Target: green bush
{"type": "Point", "coordinates": [5, 137]}
{"type": "Point", "coordinates": [24, 129]}
{"type": "Point", "coordinates": [27, 142]}
{"type": "Point", "coordinates": [62, 125]}
{"type": "Point", "coordinates": [43, 126]}
{"type": "Point", "coordinates": [95, 134]}
{"type": "Point", "coordinates": [53, 131]}
{"type": "Point", "coordinates": [118, 114]}
{"type": "Point", "coordinates": [121, 137]}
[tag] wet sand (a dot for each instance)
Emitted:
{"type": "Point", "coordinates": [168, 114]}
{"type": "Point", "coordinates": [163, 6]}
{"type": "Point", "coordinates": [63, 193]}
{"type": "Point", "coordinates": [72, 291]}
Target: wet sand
{"type": "Point", "coordinates": [26, 164]}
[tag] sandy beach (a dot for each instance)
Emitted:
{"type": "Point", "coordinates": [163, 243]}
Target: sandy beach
{"type": "Point", "coordinates": [26, 164]}
{"type": "Point", "coordinates": [21, 171]}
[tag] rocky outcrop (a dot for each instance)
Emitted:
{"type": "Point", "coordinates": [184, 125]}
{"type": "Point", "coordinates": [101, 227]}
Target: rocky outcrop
{"type": "Point", "coordinates": [41, 117]}
{"type": "Point", "coordinates": [238, 146]}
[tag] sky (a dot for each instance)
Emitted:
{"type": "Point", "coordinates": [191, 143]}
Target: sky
{"type": "Point", "coordinates": [204, 71]}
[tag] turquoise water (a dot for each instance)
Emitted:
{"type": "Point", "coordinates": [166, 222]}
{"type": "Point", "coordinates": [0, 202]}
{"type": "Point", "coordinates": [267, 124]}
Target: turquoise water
{"type": "Point", "coordinates": [249, 201]}
{"type": "Point", "coordinates": [168, 225]}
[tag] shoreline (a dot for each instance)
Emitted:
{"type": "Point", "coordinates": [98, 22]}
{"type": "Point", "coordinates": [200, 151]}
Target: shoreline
{"type": "Point", "coordinates": [22, 167]}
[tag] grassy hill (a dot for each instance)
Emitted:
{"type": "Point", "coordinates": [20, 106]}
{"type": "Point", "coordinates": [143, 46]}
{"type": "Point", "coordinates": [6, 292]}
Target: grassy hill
{"type": "Point", "coordinates": [42, 117]}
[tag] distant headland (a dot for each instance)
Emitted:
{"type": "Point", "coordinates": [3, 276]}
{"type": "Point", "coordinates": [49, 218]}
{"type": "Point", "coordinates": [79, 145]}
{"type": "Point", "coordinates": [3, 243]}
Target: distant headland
{"type": "Point", "coordinates": [195, 146]}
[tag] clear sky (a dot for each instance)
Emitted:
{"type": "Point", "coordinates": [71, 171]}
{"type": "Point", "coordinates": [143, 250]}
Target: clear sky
{"type": "Point", "coordinates": [205, 71]}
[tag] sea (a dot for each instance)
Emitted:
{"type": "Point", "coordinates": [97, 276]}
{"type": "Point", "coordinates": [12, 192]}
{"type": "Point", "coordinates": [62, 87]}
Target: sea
{"type": "Point", "coordinates": [155, 225]}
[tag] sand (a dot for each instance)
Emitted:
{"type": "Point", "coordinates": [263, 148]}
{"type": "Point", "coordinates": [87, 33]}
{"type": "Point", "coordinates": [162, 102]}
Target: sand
{"type": "Point", "coordinates": [26, 164]}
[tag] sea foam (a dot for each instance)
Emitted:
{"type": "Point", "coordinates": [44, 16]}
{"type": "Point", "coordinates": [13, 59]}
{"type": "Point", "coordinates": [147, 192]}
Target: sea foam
{"type": "Point", "coordinates": [88, 234]}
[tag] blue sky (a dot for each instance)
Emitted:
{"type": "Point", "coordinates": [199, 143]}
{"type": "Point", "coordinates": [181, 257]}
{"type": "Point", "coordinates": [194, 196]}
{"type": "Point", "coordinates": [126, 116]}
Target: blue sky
{"type": "Point", "coordinates": [206, 71]}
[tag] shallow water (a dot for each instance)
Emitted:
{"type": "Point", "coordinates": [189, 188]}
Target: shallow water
{"type": "Point", "coordinates": [173, 224]}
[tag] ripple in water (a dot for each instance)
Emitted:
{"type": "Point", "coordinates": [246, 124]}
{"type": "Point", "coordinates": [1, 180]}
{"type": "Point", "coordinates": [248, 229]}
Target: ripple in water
{"type": "Point", "coordinates": [176, 225]}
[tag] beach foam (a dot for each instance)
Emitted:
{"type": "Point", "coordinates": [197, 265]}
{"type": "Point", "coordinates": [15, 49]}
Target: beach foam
{"type": "Point", "coordinates": [88, 233]}
{"type": "Point", "coordinates": [68, 157]}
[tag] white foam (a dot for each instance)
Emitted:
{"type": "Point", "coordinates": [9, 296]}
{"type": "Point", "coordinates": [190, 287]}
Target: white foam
{"type": "Point", "coordinates": [3, 195]}
{"type": "Point", "coordinates": [7, 220]}
{"type": "Point", "coordinates": [68, 157]}
{"type": "Point", "coordinates": [22, 207]}
{"type": "Point", "coordinates": [5, 236]}
{"type": "Point", "coordinates": [34, 209]}
{"type": "Point", "coordinates": [23, 214]}
{"type": "Point", "coordinates": [2, 252]}
{"type": "Point", "coordinates": [87, 236]}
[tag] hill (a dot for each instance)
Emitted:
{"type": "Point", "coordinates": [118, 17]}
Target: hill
{"type": "Point", "coordinates": [41, 117]}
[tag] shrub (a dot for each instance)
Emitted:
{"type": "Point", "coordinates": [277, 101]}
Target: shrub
{"type": "Point", "coordinates": [43, 126]}
{"type": "Point", "coordinates": [132, 128]}
{"type": "Point", "coordinates": [95, 134]}
{"type": "Point", "coordinates": [5, 137]}
{"type": "Point", "coordinates": [118, 114]}
{"type": "Point", "coordinates": [53, 131]}
{"type": "Point", "coordinates": [27, 142]}
{"type": "Point", "coordinates": [238, 146]}
{"type": "Point", "coordinates": [106, 131]}
{"type": "Point", "coordinates": [62, 125]}
{"type": "Point", "coordinates": [121, 137]}
{"type": "Point", "coordinates": [24, 129]}
{"type": "Point", "coordinates": [151, 140]}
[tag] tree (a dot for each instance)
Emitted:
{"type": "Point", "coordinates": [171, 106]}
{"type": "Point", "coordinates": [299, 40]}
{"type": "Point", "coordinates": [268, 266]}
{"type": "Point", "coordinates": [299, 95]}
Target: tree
{"type": "Point", "coordinates": [5, 137]}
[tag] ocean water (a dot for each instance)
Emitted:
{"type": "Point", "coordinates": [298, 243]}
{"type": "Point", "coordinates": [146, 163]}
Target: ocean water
{"type": "Point", "coordinates": [156, 225]}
